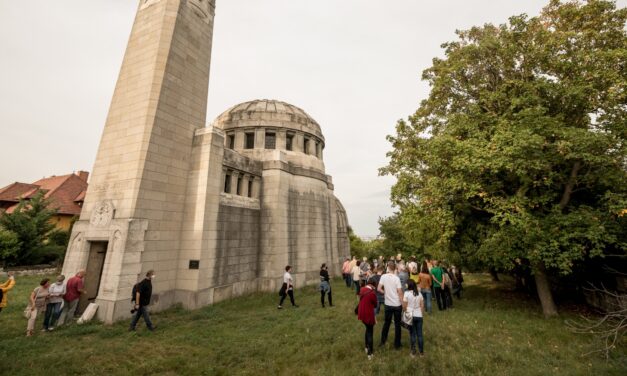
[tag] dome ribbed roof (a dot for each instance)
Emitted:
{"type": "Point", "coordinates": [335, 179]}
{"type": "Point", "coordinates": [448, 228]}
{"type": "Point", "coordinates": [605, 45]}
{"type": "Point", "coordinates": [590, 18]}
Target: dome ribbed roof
{"type": "Point", "coordinates": [266, 112]}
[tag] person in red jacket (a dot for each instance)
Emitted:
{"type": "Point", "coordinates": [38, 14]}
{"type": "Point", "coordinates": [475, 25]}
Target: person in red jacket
{"type": "Point", "coordinates": [365, 313]}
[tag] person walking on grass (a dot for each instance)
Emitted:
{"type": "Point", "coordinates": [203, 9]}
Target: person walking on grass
{"type": "Point", "coordinates": [375, 279]}
{"type": "Point", "coordinates": [142, 292]}
{"type": "Point", "coordinates": [287, 289]}
{"type": "Point", "coordinates": [414, 303]}
{"type": "Point", "coordinates": [403, 275]}
{"type": "Point", "coordinates": [346, 272]}
{"type": "Point", "coordinates": [438, 285]}
{"type": "Point", "coordinates": [4, 290]}
{"type": "Point", "coordinates": [73, 291]}
{"type": "Point", "coordinates": [356, 275]}
{"type": "Point", "coordinates": [38, 300]}
{"type": "Point", "coordinates": [424, 283]}
{"type": "Point", "coordinates": [390, 286]}
{"type": "Point", "coordinates": [325, 285]}
{"type": "Point", "coordinates": [55, 300]}
{"type": "Point", "coordinates": [365, 313]}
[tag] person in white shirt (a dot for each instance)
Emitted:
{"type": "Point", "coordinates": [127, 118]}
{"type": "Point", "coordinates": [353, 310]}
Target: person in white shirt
{"type": "Point", "coordinates": [390, 287]}
{"type": "Point", "coordinates": [287, 289]}
{"type": "Point", "coordinates": [356, 276]}
{"type": "Point", "coordinates": [55, 300]}
{"type": "Point", "coordinates": [414, 303]}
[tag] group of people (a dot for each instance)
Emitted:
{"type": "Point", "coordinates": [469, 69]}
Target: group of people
{"type": "Point", "coordinates": [404, 289]}
{"type": "Point", "coordinates": [58, 301]}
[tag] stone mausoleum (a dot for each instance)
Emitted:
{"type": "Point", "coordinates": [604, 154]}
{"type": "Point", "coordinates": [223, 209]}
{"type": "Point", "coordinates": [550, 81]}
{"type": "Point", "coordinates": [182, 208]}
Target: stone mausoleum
{"type": "Point", "coordinates": [217, 211]}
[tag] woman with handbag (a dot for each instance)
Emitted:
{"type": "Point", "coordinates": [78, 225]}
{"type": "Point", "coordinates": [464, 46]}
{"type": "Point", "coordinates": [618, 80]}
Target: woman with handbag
{"type": "Point", "coordinates": [365, 313]}
{"type": "Point", "coordinates": [325, 285]}
{"type": "Point", "coordinates": [37, 303]}
{"type": "Point", "coordinates": [413, 304]}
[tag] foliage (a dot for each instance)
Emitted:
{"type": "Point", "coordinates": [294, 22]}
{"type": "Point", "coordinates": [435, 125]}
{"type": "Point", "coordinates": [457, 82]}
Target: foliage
{"type": "Point", "coordinates": [393, 237]}
{"type": "Point", "coordinates": [520, 150]}
{"type": "Point", "coordinates": [491, 330]}
{"type": "Point", "coordinates": [37, 237]}
{"type": "Point", "coordinates": [9, 244]}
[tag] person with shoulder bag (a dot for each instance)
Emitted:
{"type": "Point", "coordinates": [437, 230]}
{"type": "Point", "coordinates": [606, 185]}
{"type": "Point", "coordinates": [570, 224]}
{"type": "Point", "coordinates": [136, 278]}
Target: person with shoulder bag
{"type": "Point", "coordinates": [37, 303]}
{"type": "Point", "coordinates": [413, 304]}
{"type": "Point", "coordinates": [365, 313]}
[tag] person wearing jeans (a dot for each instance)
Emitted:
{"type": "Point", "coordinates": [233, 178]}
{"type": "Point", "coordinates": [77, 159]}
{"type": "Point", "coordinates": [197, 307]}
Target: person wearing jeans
{"type": "Point", "coordinates": [390, 287]}
{"type": "Point", "coordinates": [346, 272]}
{"type": "Point", "coordinates": [413, 302]}
{"type": "Point", "coordinates": [424, 284]}
{"type": "Point", "coordinates": [142, 295]}
{"type": "Point", "coordinates": [55, 300]}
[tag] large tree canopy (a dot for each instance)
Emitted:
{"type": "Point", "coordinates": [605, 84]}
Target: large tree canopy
{"type": "Point", "coordinates": [519, 151]}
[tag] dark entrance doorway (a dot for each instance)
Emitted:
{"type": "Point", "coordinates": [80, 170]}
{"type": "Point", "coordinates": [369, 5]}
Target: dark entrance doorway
{"type": "Point", "coordinates": [95, 263]}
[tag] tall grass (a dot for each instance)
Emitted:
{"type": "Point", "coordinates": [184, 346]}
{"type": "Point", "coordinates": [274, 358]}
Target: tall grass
{"type": "Point", "coordinates": [491, 331]}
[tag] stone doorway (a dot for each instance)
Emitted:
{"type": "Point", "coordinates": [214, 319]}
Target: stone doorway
{"type": "Point", "coordinates": [95, 264]}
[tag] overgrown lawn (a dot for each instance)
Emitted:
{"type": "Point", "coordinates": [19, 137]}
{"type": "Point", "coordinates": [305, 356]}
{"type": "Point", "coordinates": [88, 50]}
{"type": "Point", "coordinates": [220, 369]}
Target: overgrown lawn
{"type": "Point", "coordinates": [491, 331]}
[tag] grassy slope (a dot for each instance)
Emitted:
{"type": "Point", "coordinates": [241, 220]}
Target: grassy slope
{"type": "Point", "coordinates": [491, 331]}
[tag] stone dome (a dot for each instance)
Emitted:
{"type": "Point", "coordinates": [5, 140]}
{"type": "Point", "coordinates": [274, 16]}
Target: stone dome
{"type": "Point", "coordinates": [268, 113]}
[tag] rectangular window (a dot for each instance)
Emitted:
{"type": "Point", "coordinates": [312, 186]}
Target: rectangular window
{"type": "Point", "coordinates": [230, 141]}
{"type": "Point", "coordinates": [317, 149]}
{"type": "Point", "coordinates": [238, 189]}
{"type": "Point", "coordinates": [227, 183]}
{"type": "Point", "coordinates": [289, 142]}
{"type": "Point", "coordinates": [270, 140]}
{"type": "Point", "coordinates": [250, 141]}
{"type": "Point", "coordinates": [306, 146]}
{"type": "Point", "coordinates": [250, 188]}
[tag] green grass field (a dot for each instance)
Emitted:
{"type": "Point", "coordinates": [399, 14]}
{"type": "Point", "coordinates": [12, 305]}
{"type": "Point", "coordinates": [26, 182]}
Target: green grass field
{"type": "Point", "coordinates": [492, 331]}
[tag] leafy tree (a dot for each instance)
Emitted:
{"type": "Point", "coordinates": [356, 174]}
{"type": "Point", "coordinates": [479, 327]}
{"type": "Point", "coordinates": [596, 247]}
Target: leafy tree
{"type": "Point", "coordinates": [393, 237]}
{"type": "Point", "coordinates": [519, 152]}
{"type": "Point", "coordinates": [9, 245]}
{"type": "Point", "coordinates": [30, 224]}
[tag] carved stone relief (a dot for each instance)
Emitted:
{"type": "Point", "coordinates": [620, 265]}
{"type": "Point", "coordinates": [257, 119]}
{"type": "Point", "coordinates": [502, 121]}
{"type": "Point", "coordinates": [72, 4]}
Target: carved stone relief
{"type": "Point", "coordinates": [102, 214]}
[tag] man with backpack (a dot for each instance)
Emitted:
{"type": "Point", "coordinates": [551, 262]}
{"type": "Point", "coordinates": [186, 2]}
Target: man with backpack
{"type": "Point", "coordinates": [142, 292]}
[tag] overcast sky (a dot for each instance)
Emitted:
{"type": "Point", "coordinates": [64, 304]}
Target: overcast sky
{"type": "Point", "coordinates": [353, 65]}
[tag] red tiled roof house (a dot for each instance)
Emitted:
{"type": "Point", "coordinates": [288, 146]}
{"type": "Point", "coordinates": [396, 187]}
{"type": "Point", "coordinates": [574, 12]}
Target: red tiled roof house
{"type": "Point", "coordinates": [66, 194]}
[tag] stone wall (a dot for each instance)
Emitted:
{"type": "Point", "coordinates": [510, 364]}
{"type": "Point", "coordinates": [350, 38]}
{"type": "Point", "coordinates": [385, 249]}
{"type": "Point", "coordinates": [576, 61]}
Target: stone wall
{"type": "Point", "coordinates": [237, 251]}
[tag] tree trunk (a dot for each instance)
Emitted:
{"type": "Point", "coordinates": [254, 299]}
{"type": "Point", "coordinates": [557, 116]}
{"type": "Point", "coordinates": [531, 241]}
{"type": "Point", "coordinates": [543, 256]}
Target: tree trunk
{"type": "Point", "coordinates": [572, 180]}
{"type": "Point", "coordinates": [494, 274]}
{"type": "Point", "coordinates": [544, 290]}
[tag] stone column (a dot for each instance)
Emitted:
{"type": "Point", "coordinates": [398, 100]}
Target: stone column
{"type": "Point", "coordinates": [260, 138]}
{"type": "Point", "coordinates": [143, 161]}
{"type": "Point", "coordinates": [280, 139]}
{"type": "Point", "coordinates": [299, 141]}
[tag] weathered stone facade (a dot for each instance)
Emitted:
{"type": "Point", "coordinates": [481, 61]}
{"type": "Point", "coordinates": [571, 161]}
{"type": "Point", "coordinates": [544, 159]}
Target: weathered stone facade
{"type": "Point", "coordinates": [216, 211]}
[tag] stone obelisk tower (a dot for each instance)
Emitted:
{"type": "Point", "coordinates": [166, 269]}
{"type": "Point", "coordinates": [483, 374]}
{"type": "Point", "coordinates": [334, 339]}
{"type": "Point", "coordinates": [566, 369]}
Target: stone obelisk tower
{"type": "Point", "coordinates": [132, 215]}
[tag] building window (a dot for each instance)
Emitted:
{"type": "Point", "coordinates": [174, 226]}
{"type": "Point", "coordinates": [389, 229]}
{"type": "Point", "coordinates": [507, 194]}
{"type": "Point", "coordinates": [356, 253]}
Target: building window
{"type": "Point", "coordinates": [230, 141]}
{"type": "Point", "coordinates": [318, 149]}
{"type": "Point", "coordinates": [227, 182]}
{"type": "Point", "coordinates": [250, 187]}
{"type": "Point", "coordinates": [289, 142]}
{"type": "Point", "coordinates": [270, 140]}
{"type": "Point", "coordinates": [238, 189]}
{"type": "Point", "coordinates": [306, 146]}
{"type": "Point", "coordinates": [250, 141]}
